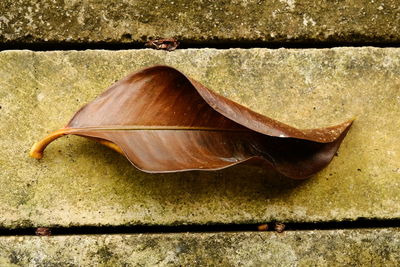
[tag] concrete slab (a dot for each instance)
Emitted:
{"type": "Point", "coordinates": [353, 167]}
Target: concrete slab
{"type": "Point", "coordinates": [79, 182]}
{"type": "Point", "coordinates": [270, 21]}
{"type": "Point", "coordinates": [300, 248]}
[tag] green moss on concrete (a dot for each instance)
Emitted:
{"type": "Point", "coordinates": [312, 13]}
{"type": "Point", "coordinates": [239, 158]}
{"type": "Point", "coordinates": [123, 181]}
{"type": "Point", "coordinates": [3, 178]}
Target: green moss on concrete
{"type": "Point", "coordinates": [79, 182]}
{"type": "Point", "coordinates": [198, 21]}
{"type": "Point", "coordinates": [301, 248]}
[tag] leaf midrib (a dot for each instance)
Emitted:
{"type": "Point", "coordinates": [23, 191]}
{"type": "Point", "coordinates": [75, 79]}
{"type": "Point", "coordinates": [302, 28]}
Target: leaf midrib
{"type": "Point", "coordinates": [158, 128]}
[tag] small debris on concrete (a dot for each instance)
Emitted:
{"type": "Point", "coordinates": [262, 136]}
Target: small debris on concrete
{"type": "Point", "coordinates": [279, 227]}
{"type": "Point", "coordinates": [43, 231]}
{"type": "Point", "coordinates": [262, 227]}
{"type": "Point", "coordinates": [168, 44]}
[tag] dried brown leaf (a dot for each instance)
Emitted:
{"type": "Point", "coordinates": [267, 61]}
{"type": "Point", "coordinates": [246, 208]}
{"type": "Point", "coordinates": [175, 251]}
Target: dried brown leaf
{"type": "Point", "coordinates": [163, 121]}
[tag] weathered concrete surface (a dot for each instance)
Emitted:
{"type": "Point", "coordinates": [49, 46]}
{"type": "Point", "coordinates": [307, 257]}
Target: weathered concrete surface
{"type": "Point", "coordinates": [79, 182]}
{"type": "Point", "coordinates": [308, 248]}
{"type": "Point", "coordinates": [198, 21]}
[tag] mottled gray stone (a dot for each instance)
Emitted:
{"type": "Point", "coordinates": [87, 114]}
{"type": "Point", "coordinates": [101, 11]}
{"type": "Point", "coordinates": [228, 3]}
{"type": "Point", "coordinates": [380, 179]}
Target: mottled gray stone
{"type": "Point", "coordinates": [271, 21]}
{"type": "Point", "coordinates": [79, 182]}
{"type": "Point", "coordinates": [300, 248]}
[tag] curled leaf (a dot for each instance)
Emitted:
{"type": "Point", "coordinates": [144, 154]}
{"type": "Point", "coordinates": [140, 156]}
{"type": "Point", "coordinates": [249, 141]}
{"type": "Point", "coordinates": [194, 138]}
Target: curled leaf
{"type": "Point", "coordinates": [163, 121]}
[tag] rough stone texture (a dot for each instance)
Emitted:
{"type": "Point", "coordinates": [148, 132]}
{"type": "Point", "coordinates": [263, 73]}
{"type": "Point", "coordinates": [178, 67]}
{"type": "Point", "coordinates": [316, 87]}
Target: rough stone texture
{"type": "Point", "coordinates": [198, 21]}
{"type": "Point", "coordinates": [79, 182]}
{"type": "Point", "coordinates": [300, 248]}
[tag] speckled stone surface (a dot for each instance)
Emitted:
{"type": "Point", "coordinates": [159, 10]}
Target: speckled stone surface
{"type": "Point", "coordinates": [305, 21]}
{"type": "Point", "coordinates": [79, 182]}
{"type": "Point", "coordinates": [312, 248]}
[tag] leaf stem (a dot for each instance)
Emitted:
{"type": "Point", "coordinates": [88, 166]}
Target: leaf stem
{"type": "Point", "coordinates": [38, 148]}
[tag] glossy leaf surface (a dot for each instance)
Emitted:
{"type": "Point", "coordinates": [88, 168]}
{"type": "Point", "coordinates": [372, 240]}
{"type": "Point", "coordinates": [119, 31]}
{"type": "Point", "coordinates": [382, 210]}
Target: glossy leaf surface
{"type": "Point", "coordinates": [163, 121]}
